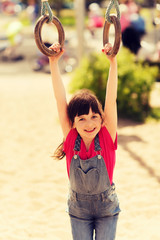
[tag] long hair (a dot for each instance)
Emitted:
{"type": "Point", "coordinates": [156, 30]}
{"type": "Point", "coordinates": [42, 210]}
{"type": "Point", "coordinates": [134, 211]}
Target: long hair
{"type": "Point", "coordinates": [79, 104]}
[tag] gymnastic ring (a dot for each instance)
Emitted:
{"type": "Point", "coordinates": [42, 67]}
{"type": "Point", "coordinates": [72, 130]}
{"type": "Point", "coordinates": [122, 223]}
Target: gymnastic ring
{"type": "Point", "coordinates": [117, 41]}
{"type": "Point", "coordinates": [37, 34]}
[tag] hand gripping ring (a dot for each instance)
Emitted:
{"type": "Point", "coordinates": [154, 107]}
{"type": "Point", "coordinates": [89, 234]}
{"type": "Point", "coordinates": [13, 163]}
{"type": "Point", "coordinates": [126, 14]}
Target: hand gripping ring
{"type": "Point", "coordinates": [117, 41]}
{"type": "Point", "coordinates": [37, 34]}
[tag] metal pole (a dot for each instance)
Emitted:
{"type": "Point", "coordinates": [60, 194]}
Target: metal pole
{"type": "Point", "coordinates": [80, 19]}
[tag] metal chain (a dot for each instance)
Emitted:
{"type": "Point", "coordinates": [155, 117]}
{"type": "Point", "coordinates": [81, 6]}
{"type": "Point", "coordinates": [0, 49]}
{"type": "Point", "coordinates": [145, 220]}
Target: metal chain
{"type": "Point", "coordinates": [46, 7]}
{"type": "Point", "coordinates": [111, 4]}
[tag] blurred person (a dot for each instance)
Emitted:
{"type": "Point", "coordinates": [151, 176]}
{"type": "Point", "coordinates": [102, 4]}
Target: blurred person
{"type": "Point", "coordinates": [14, 37]}
{"type": "Point", "coordinates": [10, 7]}
{"type": "Point", "coordinates": [138, 23]}
{"type": "Point", "coordinates": [13, 31]}
{"type": "Point", "coordinates": [132, 6]}
{"type": "Point", "coordinates": [133, 31]}
{"type": "Point", "coordinates": [7, 7]}
{"type": "Point", "coordinates": [125, 17]}
{"type": "Point", "coordinates": [130, 37]}
{"type": "Point", "coordinates": [132, 26]}
{"type": "Point", "coordinates": [32, 10]}
{"type": "Point", "coordinates": [95, 18]}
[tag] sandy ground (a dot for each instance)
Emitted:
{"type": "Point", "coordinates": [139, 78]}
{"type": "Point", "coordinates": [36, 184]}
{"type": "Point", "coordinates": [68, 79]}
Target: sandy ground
{"type": "Point", "coordinates": [34, 187]}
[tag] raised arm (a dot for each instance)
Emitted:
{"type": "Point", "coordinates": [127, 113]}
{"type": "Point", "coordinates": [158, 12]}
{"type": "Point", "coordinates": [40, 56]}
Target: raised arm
{"type": "Point", "coordinates": [110, 108]}
{"type": "Point", "coordinates": [59, 90]}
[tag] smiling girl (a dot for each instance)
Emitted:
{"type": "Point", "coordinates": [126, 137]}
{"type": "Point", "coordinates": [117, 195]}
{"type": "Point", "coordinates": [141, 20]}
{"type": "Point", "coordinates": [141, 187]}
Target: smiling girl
{"type": "Point", "coordinates": [90, 141]}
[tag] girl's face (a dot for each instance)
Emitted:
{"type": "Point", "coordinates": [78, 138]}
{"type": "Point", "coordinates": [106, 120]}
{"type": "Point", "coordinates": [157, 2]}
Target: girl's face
{"type": "Point", "coordinates": [88, 125]}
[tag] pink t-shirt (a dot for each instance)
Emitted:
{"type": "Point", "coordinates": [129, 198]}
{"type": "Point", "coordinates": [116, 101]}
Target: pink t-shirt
{"type": "Point", "coordinates": [106, 144]}
{"type": "Point", "coordinates": [125, 22]}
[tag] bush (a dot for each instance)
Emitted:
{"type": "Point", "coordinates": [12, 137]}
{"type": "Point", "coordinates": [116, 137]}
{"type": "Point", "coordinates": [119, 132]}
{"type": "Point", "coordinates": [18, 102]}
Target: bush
{"type": "Point", "coordinates": [68, 21]}
{"type": "Point", "coordinates": [135, 81]}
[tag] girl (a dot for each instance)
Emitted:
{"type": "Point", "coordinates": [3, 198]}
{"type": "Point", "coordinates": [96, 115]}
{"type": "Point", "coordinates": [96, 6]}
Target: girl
{"type": "Point", "coordinates": [90, 142]}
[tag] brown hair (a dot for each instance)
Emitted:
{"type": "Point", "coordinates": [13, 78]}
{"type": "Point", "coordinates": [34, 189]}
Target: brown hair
{"type": "Point", "coordinates": [80, 104]}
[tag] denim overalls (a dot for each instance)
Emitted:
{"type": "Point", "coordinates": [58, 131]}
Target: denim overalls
{"type": "Point", "coordinates": [92, 203]}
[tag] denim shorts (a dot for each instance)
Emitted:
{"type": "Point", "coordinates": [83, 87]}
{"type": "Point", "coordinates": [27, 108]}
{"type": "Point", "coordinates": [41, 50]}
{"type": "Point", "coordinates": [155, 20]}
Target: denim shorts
{"type": "Point", "coordinates": [97, 228]}
{"type": "Point", "coordinates": [93, 206]}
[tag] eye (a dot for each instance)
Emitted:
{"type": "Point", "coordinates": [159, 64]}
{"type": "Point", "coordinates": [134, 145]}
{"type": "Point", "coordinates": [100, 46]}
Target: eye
{"type": "Point", "coordinates": [94, 116]}
{"type": "Point", "coordinates": [81, 119]}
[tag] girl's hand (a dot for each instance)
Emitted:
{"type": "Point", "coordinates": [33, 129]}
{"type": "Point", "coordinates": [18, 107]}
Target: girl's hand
{"type": "Point", "coordinates": [57, 48]}
{"type": "Point", "coordinates": [107, 48]}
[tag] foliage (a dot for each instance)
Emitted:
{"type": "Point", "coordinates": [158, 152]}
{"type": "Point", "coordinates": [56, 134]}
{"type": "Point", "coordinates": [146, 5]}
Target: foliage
{"type": "Point", "coordinates": [134, 86]}
{"type": "Point", "coordinates": [68, 21]}
{"type": "Point", "coordinates": [135, 81]}
{"type": "Point", "coordinates": [91, 74]}
{"type": "Point", "coordinates": [67, 17]}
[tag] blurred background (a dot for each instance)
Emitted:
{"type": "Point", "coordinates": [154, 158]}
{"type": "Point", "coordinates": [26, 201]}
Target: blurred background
{"type": "Point", "coordinates": [33, 187]}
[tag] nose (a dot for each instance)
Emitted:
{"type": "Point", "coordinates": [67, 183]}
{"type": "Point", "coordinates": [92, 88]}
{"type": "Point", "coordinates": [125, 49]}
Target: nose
{"type": "Point", "coordinates": [89, 124]}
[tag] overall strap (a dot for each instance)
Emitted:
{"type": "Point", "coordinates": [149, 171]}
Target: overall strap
{"type": "Point", "coordinates": [96, 143]}
{"type": "Point", "coordinates": [78, 143]}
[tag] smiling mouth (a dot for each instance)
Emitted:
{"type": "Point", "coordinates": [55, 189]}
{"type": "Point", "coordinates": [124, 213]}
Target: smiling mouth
{"type": "Point", "coordinates": [90, 131]}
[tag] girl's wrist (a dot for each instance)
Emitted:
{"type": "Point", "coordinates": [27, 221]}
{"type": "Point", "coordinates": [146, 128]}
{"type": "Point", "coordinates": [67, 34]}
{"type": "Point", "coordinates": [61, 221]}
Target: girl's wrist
{"type": "Point", "coordinates": [113, 60]}
{"type": "Point", "coordinates": [53, 60]}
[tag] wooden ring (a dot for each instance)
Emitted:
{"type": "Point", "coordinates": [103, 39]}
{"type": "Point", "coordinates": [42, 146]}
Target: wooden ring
{"type": "Point", "coordinates": [117, 41]}
{"type": "Point", "coordinates": [37, 34]}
